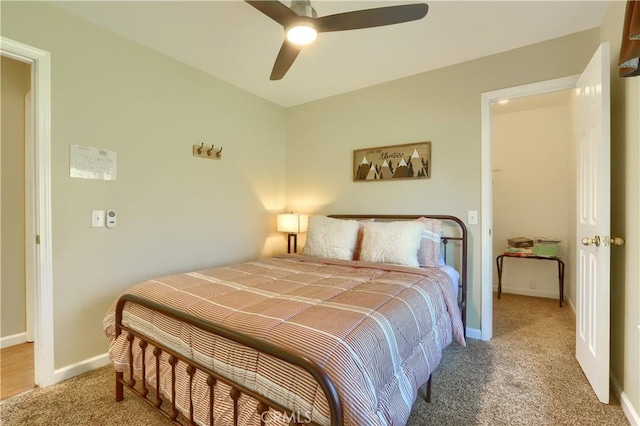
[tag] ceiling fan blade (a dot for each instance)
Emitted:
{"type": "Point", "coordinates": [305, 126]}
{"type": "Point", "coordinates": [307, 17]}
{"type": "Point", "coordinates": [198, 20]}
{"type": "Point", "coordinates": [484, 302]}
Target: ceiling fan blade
{"type": "Point", "coordinates": [275, 10]}
{"type": "Point", "coordinates": [288, 53]}
{"type": "Point", "coordinates": [371, 17]}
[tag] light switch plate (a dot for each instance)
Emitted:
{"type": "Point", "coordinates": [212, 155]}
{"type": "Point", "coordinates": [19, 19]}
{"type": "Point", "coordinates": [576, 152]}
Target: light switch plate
{"type": "Point", "coordinates": [473, 217]}
{"type": "Point", "coordinates": [97, 218]}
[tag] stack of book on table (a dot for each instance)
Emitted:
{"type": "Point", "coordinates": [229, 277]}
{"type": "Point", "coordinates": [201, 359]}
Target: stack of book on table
{"type": "Point", "coordinates": [519, 251]}
{"type": "Point", "coordinates": [519, 246]}
{"type": "Point", "coordinates": [546, 247]}
{"type": "Point", "coordinates": [540, 246]}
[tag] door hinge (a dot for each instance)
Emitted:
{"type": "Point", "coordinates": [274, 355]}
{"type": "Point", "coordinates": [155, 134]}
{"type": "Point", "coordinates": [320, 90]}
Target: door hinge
{"type": "Point", "coordinates": [37, 239]}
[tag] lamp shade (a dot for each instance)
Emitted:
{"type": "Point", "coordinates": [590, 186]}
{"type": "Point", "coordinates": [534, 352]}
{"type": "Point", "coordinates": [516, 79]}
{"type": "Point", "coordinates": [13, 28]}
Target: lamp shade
{"type": "Point", "coordinates": [292, 223]}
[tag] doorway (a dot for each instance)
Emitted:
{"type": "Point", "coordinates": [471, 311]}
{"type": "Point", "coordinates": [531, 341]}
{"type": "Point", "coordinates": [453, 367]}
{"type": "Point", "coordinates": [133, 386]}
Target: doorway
{"type": "Point", "coordinates": [534, 188]}
{"type": "Point", "coordinates": [38, 258]}
{"type": "Point", "coordinates": [16, 336]}
{"type": "Point", "coordinates": [592, 133]}
{"type": "Point", "coordinates": [487, 260]}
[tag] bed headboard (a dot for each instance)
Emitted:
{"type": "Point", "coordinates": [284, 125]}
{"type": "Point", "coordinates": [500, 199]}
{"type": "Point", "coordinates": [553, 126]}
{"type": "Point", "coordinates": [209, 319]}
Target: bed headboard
{"type": "Point", "coordinates": [454, 229]}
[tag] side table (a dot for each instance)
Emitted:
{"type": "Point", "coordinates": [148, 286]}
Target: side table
{"type": "Point", "coordinates": [499, 264]}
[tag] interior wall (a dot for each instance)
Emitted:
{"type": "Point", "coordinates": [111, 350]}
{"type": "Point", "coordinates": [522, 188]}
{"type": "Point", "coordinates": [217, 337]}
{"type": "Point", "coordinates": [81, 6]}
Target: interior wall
{"type": "Point", "coordinates": [441, 106]}
{"type": "Point", "coordinates": [176, 212]}
{"type": "Point", "coordinates": [179, 213]}
{"type": "Point", "coordinates": [532, 193]}
{"type": "Point", "coordinates": [16, 83]}
{"type": "Point", "coordinates": [625, 210]}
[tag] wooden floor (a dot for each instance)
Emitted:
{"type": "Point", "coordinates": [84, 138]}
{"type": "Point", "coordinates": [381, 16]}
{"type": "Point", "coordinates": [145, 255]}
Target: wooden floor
{"type": "Point", "coordinates": [16, 370]}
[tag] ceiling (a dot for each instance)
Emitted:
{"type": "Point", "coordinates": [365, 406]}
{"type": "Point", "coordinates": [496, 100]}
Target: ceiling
{"type": "Point", "coordinates": [526, 103]}
{"type": "Point", "coordinates": [236, 43]}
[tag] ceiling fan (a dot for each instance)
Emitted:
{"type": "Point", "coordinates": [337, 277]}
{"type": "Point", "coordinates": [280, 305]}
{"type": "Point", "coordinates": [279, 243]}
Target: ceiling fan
{"type": "Point", "coordinates": [302, 25]}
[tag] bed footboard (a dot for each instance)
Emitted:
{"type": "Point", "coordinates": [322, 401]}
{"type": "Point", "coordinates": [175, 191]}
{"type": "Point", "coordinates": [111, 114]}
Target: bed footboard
{"type": "Point", "coordinates": [171, 412]}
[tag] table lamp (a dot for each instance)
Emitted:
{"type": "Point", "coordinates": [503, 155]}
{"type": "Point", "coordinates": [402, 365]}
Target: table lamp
{"type": "Point", "coordinates": [292, 224]}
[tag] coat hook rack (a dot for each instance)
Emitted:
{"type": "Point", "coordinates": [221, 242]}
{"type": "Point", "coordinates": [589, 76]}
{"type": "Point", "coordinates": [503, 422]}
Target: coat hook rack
{"type": "Point", "coordinates": [212, 153]}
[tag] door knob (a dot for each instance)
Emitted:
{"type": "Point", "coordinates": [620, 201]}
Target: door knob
{"type": "Point", "coordinates": [607, 241]}
{"type": "Point", "coordinates": [588, 241]}
{"type": "Point", "coordinates": [614, 241]}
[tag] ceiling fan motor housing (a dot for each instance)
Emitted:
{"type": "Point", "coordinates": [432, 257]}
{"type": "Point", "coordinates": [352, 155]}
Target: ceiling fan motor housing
{"type": "Point", "coordinates": [303, 8]}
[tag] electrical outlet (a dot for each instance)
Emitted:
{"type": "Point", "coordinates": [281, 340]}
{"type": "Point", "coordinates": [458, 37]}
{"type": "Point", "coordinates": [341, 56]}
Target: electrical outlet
{"type": "Point", "coordinates": [533, 284]}
{"type": "Point", "coordinates": [97, 218]}
{"type": "Point", "coordinates": [473, 217]}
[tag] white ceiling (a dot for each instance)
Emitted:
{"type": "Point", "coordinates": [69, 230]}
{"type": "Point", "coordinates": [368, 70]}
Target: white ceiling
{"type": "Point", "coordinates": [545, 100]}
{"type": "Point", "coordinates": [236, 43]}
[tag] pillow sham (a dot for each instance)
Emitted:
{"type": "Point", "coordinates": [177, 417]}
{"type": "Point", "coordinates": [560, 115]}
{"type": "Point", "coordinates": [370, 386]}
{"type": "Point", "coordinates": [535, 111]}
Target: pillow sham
{"type": "Point", "coordinates": [356, 253]}
{"type": "Point", "coordinates": [392, 242]}
{"type": "Point", "coordinates": [331, 238]}
{"type": "Point", "coordinates": [429, 251]}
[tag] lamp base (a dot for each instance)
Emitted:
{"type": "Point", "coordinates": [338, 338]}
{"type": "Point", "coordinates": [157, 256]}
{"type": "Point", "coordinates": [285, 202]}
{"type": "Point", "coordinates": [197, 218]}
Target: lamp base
{"type": "Point", "coordinates": [295, 243]}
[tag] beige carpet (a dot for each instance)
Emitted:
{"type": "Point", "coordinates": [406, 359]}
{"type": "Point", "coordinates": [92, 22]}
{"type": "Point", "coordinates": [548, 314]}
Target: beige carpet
{"type": "Point", "coordinates": [527, 375]}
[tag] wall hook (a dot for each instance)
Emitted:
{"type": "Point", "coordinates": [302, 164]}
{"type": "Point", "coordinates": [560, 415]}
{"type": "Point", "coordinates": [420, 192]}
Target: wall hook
{"type": "Point", "coordinates": [210, 151]}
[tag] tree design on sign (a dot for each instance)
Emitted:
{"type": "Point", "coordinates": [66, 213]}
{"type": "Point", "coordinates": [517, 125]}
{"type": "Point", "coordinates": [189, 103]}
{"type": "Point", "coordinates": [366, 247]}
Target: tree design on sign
{"type": "Point", "coordinates": [393, 162]}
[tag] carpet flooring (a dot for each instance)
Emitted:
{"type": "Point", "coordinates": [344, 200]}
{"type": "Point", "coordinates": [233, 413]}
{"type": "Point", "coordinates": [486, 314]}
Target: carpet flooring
{"type": "Point", "coordinates": [526, 375]}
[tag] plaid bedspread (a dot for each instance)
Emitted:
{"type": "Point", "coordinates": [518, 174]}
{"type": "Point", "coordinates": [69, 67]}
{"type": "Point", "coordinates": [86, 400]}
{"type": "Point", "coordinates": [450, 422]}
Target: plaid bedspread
{"type": "Point", "coordinates": [377, 330]}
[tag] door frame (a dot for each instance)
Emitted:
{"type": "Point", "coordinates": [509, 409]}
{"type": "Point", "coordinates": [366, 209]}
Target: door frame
{"type": "Point", "coordinates": [39, 192]}
{"type": "Point", "coordinates": [30, 216]}
{"type": "Point", "coordinates": [486, 99]}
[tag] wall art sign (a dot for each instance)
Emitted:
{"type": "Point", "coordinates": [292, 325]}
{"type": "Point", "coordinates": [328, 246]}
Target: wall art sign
{"type": "Point", "coordinates": [411, 161]}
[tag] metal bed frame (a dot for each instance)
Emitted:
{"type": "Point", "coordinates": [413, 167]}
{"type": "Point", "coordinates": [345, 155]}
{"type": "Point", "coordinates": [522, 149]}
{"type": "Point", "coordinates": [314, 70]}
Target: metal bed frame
{"type": "Point", "coordinates": [264, 404]}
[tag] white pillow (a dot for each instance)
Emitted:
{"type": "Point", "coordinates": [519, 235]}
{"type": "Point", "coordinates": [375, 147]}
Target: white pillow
{"type": "Point", "coordinates": [331, 238]}
{"type": "Point", "coordinates": [392, 242]}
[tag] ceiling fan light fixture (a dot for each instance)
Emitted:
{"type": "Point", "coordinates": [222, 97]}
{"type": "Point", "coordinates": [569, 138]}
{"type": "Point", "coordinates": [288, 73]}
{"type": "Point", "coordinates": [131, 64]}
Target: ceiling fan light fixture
{"type": "Point", "coordinates": [301, 24]}
{"type": "Point", "coordinates": [302, 33]}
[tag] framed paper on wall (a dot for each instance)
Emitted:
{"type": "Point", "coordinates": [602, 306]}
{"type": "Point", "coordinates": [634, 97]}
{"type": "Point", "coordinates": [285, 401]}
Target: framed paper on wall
{"type": "Point", "coordinates": [411, 161]}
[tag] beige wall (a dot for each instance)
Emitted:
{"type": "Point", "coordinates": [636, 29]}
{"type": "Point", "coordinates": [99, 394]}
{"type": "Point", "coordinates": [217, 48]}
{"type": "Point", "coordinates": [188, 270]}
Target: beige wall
{"type": "Point", "coordinates": [441, 106]}
{"type": "Point", "coordinates": [176, 212]}
{"type": "Point", "coordinates": [16, 82]}
{"type": "Point", "coordinates": [625, 211]}
{"type": "Point", "coordinates": [532, 195]}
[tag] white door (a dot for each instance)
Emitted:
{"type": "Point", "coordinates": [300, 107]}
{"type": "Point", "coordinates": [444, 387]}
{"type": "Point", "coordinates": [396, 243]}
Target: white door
{"type": "Point", "coordinates": [593, 222]}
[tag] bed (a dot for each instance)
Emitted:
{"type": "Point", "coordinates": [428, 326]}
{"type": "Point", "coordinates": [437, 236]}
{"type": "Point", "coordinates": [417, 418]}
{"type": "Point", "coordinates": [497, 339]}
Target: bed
{"type": "Point", "coordinates": [297, 339]}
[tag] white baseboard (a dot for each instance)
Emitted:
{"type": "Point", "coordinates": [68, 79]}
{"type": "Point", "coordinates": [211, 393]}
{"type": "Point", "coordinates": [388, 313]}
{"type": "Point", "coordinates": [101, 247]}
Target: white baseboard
{"type": "Point", "coordinates": [78, 368]}
{"type": "Point", "coordinates": [474, 333]}
{"type": "Point", "coordinates": [528, 292]}
{"type": "Point", "coordinates": [625, 403]}
{"type": "Point", "coordinates": [13, 340]}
